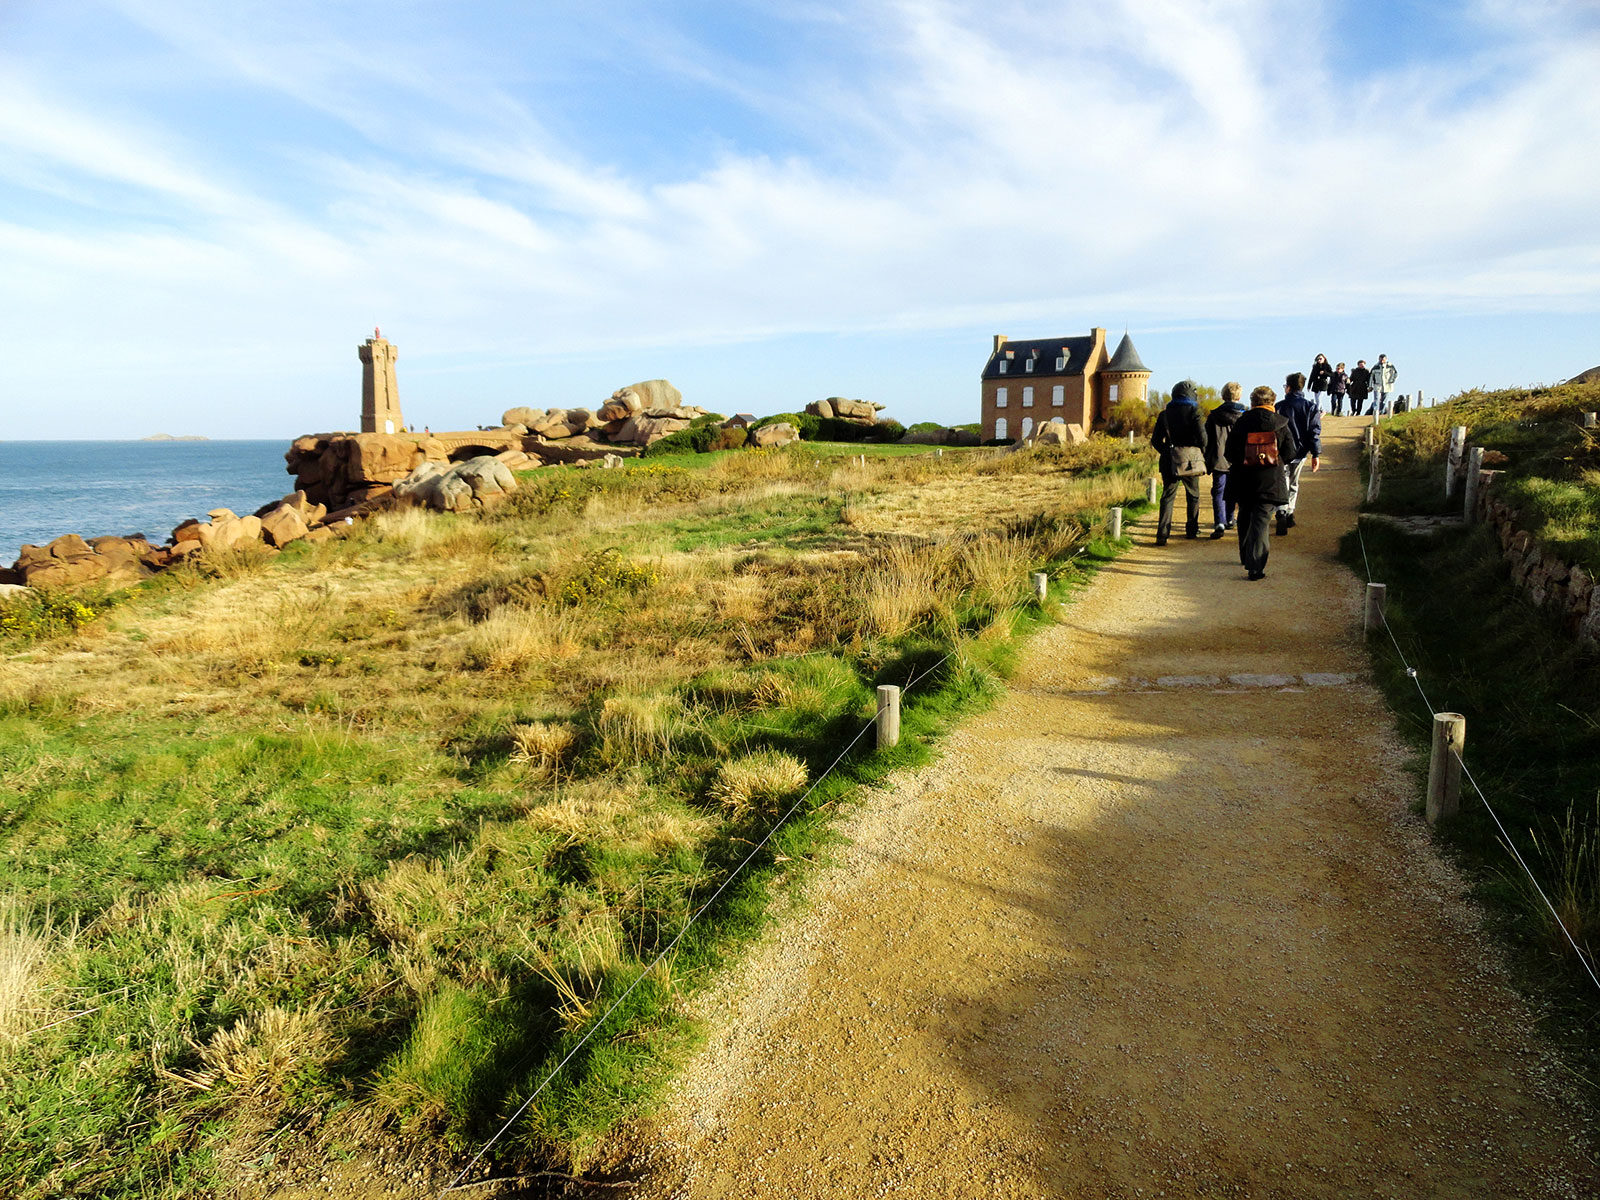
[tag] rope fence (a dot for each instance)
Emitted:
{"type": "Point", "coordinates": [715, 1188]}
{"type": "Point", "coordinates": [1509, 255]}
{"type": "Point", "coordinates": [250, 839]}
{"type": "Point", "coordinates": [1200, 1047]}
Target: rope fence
{"type": "Point", "coordinates": [1448, 743]}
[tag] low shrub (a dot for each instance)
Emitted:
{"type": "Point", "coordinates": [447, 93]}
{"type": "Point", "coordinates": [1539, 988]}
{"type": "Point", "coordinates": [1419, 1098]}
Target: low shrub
{"type": "Point", "coordinates": [757, 781]}
{"type": "Point", "coordinates": [32, 616]}
{"type": "Point", "coordinates": [699, 438]}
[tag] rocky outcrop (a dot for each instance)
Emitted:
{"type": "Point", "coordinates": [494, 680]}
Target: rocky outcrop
{"type": "Point", "coordinates": [779, 433]}
{"type": "Point", "coordinates": [861, 412]}
{"type": "Point", "coordinates": [1057, 432]}
{"type": "Point", "coordinates": [340, 469]}
{"type": "Point", "coordinates": [526, 417]}
{"type": "Point", "coordinates": [477, 483]}
{"type": "Point", "coordinates": [71, 561]}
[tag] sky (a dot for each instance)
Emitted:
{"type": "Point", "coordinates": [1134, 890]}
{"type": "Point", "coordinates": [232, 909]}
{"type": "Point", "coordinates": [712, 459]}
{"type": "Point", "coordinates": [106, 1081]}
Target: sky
{"type": "Point", "coordinates": [205, 208]}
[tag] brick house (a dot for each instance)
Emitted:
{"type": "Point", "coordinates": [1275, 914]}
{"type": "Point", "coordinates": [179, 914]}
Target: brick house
{"type": "Point", "coordinates": [1028, 383]}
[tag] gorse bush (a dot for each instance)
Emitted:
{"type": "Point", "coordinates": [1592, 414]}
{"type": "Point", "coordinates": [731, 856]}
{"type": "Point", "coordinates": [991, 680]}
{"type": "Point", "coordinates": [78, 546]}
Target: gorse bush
{"type": "Point", "coordinates": [603, 574]}
{"type": "Point", "coordinates": [30, 616]}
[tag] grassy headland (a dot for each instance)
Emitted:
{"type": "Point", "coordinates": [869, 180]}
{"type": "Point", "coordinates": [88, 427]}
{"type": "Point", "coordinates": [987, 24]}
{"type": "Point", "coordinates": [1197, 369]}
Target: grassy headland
{"type": "Point", "coordinates": [377, 829]}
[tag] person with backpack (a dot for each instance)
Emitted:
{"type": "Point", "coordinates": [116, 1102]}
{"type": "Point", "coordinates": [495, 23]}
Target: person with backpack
{"type": "Point", "coordinates": [1321, 377]}
{"type": "Point", "coordinates": [1305, 420]}
{"type": "Point", "coordinates": [1181, 442]}
{"type": "Point", "coordinates": [1257, 448]}
{"type": "Point", "coordinates": [1338, 388]}
{"type": "Point", "coordinates": [1360, 382]}
{"type": "Point", "coordinates": [1219, 423]}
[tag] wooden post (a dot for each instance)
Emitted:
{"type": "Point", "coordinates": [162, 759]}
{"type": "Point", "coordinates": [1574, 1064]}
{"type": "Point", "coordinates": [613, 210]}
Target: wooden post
{"type": "Point", "coordinates": [939, 453]}
{"type": "Point", "coordinates": [1155, 489]}
{"type": "Point", "coordinates": [1373, 617]}
{"type": "Point", "coordinates": [1589, 420]}
{"type": "Point", "coordinates": [1469, 506]}
{"type": "Point", "coordinates": [1420, 400]}
{"type": "Point", "coordinates": [888, 716]}
{"type": "Point", "coordinates": [1444, 766]}
{"type": "Point", "coordinates": [1130, 437]}
{"type": "Point", "coordinates": [1372, 474]}
{"type": "Point", "coordinates": [1116, 524]}
{"type": "Point", "coordinates": [1368, 439]}
{"type": "Point", "coordinates": [1452, 462]}
{"type": "Point", "coordinates": [1041, 586]}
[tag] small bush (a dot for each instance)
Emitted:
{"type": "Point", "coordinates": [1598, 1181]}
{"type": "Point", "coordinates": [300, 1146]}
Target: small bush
{"type": "Point", "coordinates": [36, 615]}
{"type": "Point", "coordinates": [699, 438]}
{"type": "Point", "coordinates": [1133, 416]}
{"type": "Point", "coordinates": [757, 781]}
{"type": "Point", "coordinates": [732, 438]}
{"type": "Point", "coordinates": [635, 729]}
{"type": "Point", "coordinates": [603, 574]}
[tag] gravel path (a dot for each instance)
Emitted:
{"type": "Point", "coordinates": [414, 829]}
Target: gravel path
{"type": "Point", "coordinates": [1160, 924]}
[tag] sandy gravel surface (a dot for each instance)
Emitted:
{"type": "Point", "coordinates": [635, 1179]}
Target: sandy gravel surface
{"type": "Point", "coordinates": [1160, 924]}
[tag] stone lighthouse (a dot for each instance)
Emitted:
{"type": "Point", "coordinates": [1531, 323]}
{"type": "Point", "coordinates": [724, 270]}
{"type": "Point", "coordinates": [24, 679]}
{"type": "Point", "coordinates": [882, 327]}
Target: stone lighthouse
{"type": "Point", "coordinates": [380, 397]}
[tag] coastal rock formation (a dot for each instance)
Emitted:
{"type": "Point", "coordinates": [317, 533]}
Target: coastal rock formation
{"type": "Point", "coordinates": [1057, 432]}
{"type": "Point", "coordinates": [780, 433]}
{"type": "Point", "coordinates": [70, 561]}
{"type": "Point", "coordinates": [860, 412]}
{"type": "Point", "coordinates": [477, 483]}
{"type": "Point", "coordinates": [526, 417]}
{"type": "Point", "coordinates": [341, 469]}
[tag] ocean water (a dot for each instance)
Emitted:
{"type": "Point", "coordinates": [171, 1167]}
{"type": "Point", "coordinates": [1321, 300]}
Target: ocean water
{"type": "Point", "coordinates": [93, 488]}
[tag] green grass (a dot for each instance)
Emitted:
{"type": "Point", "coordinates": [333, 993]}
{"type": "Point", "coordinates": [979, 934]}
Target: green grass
{"type": "Point", "coordinates": [268, 828]}
{"type": "Point", "coordinates": [1550, 468]}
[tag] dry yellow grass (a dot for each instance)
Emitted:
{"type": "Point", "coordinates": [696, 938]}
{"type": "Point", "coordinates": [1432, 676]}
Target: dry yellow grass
{"type": "Point", "coordinates": [25, 957]}
{"type": "Point", "coordinates": [512, 637]}
{"type": "Point", "coordinates": [541, 745]}
{"type": "Point", "coordinates": [757, 781]}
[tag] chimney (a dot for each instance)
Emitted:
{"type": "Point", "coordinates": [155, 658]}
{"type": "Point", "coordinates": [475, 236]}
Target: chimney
{"type": "Point", "coordinates": [999, 341]}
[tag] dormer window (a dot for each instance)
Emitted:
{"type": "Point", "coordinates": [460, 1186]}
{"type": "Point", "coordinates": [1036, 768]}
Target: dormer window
{"type": "Point", "coordinates": [1002, 366]}
{"type": "Point", "coordinates": [1061, 362]}
{"type": "Point", "coordinates": [1028, 366]}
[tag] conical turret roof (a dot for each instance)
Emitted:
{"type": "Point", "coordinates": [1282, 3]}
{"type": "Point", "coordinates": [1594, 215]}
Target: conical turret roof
{"type": "Point", "coordinates": [1126, 358]}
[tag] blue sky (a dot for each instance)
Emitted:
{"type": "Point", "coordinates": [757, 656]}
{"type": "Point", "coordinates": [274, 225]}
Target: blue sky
{"type": "Point", "coordinates": [204, 208]}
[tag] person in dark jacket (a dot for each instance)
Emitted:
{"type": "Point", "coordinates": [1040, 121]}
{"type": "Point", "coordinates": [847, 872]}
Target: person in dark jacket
{"type": "Point", "coordinates": [1360, 384]}
{"type": "Point", "coordinates": [1305, 421]}
{"type": "Point", "coordinates": [1218, 424]}
{"type": "Point", "coordinates": [1258, 446]}
{"type": "Point", "coordinates": [1321, 377]}
{"type": "Point", "coordinates": [1181, 442]}
{"type": "Point", "coordinates": [1338, 388]}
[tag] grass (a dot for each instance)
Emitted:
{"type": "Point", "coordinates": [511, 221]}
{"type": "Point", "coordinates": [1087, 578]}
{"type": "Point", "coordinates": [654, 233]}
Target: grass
{"type": "Point", "coordinates": [381, 827]}
{"type": "Point", "coordinates": [1550, 463]}
{"type": "Point", "coordinates": [1530, 695]}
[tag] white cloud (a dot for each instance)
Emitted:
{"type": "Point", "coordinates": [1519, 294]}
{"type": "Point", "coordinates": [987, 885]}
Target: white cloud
{"type": "Point", "coordinates": [1151, 160]}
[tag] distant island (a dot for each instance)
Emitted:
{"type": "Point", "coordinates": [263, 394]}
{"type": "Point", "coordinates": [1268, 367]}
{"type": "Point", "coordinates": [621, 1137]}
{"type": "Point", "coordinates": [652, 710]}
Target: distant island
{"type": "Point", "coordinates": [167, 437]}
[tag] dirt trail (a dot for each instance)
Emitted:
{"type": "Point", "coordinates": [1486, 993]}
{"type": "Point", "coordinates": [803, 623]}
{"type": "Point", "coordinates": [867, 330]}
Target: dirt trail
{"type": "Point", "coordinates": [1158, 924]}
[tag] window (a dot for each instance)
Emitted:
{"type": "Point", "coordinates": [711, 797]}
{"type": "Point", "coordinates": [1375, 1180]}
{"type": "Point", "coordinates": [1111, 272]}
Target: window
{"type": "Point", "coordinates": [999, 397]}
{"type": "Point", "coordinates": [1112, 398]}
{"type": "Point", "coordinates": [1028, 366]}
{"type": "Point", "coordinates": [1058, 396]}
{"type": "Point", "coordinates": [1000, 428]}
{"type": "Point", "coordinates": [1027, 426]}
{"type": "Point", "coordinates": [1027, 397]}
{"type": "Point", "coordinates": [1061, 362]}
{"type": "Point", "coordinates": [1002, 366]}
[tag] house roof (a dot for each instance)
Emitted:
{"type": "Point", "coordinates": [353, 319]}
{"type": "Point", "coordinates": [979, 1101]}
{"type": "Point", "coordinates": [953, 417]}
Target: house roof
{"type": "Point", "coordinates": [1044, 352]}
{"type": "Point", "coordinates": [1126, 358]}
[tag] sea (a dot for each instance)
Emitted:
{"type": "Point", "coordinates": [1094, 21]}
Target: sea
{"type": "Point", "coordinates": [93, 488]}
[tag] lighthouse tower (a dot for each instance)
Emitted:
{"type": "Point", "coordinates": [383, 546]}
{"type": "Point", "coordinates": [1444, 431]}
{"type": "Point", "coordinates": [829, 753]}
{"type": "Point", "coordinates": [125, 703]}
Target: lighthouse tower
{"type": "Point", "coordinates": [380, 396]}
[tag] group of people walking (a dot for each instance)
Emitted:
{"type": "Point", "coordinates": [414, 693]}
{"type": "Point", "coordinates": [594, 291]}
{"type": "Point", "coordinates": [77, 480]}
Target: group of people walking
{"type": "Point", "coordinates": [1334, 385]}
{"type": "Point", "coordinates": [1255, 459]}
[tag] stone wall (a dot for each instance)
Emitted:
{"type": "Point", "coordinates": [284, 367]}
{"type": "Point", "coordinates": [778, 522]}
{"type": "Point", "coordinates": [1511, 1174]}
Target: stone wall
{"type": "Point", "coordinates": [1549, 582]}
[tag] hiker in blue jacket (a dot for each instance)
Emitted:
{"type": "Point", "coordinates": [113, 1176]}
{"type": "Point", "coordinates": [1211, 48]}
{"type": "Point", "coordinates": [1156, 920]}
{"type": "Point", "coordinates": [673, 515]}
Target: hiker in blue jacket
{"type": "Point", "coordinates": [1305, 422]}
